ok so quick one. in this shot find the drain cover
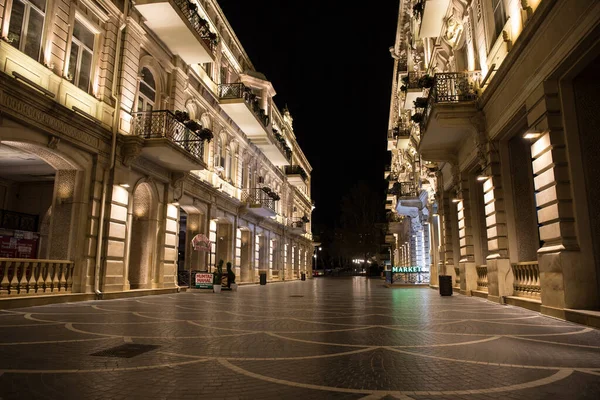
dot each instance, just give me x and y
(127, 350)
(296, 295)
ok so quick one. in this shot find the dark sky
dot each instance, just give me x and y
(329, 61)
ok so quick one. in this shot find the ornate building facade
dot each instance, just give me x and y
(492, 134)
(128, 128)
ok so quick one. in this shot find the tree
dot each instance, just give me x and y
(360, 218)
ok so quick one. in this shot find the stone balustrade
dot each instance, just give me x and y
(527, 279)
(21, 276)
(482, 278)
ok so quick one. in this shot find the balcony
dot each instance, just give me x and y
(408, 201)
(298, 227)
(238, 101)
(412, 88)
(432, 19)
(398, 138)
(179, 26)
(259, 202)
(167, 141)
(446, 120)
(296, 175)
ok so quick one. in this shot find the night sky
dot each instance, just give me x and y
(329, 62)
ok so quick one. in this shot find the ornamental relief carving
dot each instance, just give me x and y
(46, 121)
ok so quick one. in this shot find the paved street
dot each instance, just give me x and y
(324, 338)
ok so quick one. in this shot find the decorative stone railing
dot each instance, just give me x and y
(457, 281)
(482, 278)
(526, 279)
(22, 276)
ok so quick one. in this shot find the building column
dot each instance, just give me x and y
(566, 281)
(500, 277)
(448, 244)
(467, 266)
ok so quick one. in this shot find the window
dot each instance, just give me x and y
(81, 57)
(219, 160)
(224, 74)
(228, 164)
(26, 26)
(208, 68)
(147, 92)
(499, 16)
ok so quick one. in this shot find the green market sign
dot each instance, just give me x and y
(404, 270)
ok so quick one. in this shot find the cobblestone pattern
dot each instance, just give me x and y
(326, 338)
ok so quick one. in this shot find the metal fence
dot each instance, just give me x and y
(163, 124)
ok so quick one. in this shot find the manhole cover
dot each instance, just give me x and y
(296, 295)
(127, 350)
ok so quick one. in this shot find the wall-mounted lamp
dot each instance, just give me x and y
(456, 200)
(530, 135)
(482, 178)
(125, 185)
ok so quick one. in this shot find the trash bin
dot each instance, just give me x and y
(303, 276)
(263, 278)
(445, 285)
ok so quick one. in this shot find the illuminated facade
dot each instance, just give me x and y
(129, 128)
(492, 136)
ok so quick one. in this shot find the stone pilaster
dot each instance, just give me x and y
(500, 277)
(448, 237)
(468, 272)
(565, 281)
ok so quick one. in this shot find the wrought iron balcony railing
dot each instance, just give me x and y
(296, 170)
(405, 189)
(396, 132)
(241, 91)
(163, 124)
(258, 196)
(199, 24)
(451, 87)
(413, 79)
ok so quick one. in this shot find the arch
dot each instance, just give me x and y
(192, 109)
(157, 71)
(206, 120)
(142, 243)
(53, 157)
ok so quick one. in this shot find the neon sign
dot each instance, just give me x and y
(406, 269)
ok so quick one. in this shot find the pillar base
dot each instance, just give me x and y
(468, 277)
(500, 278)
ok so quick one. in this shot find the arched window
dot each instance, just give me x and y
(147, 92)
(219, 161)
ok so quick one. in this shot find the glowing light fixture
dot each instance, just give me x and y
(482, 178)
(125, 185)
(532, 135)
(176, 204)
(456, 200)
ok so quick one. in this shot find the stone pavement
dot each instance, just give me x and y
(325, 338)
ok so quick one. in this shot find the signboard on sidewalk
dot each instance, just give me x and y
(204, 281)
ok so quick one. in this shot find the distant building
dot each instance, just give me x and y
(493, 131)
(127, 129)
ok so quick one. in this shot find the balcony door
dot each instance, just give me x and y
(147, 92)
